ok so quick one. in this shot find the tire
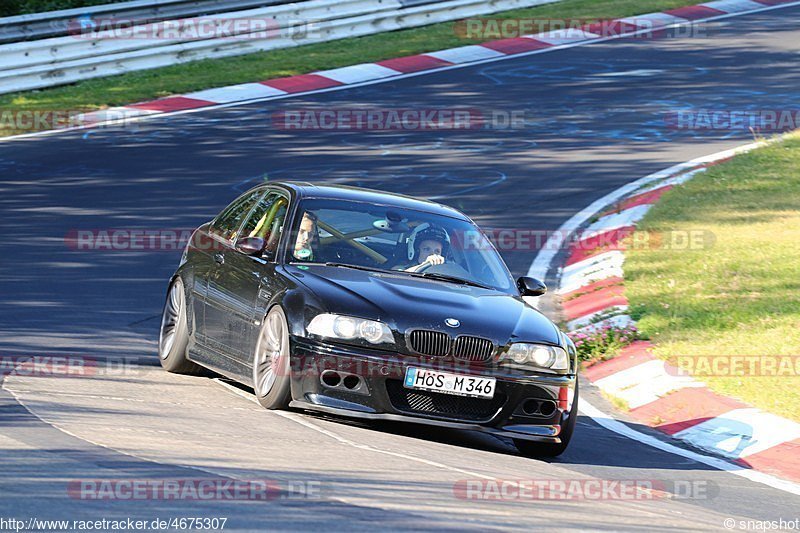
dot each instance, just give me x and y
(173, 336)
(271, 362)
(546, 449)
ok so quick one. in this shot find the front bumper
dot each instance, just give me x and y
(380, 394)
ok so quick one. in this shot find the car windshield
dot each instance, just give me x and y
(388, 238)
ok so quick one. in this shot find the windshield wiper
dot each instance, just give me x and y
(357, 267)
(454, 279)
(429, 275)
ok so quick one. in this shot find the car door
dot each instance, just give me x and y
(199, 255)
(244, 283)
(219, 244)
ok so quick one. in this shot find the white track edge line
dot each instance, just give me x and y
(623, 429)
(541, 263)
(128, 454)
(303, 422)
(545, 258)
(205, 470)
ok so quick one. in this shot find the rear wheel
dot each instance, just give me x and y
(271, 369)
(546, 449)
(173, 336)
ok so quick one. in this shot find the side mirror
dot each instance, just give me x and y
(250, 245)
(531, 286)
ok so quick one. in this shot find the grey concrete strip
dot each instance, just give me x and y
(357, 466)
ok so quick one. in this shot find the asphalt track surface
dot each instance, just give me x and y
(597, 122)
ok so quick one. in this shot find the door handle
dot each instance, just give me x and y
(219, 258)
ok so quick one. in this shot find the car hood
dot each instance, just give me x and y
(405, 302)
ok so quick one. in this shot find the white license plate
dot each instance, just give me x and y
(447, 383)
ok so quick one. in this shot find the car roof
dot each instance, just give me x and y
(304, 189)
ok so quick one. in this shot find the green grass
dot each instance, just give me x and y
(617, 402)
(198, 75)
(740, 296)
(20, 7)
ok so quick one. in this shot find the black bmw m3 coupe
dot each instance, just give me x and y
(372, 305)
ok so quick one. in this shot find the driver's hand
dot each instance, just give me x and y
(435, 259)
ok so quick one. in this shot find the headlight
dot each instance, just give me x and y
(540, 355)
(349, 328)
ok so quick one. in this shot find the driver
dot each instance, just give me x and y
(307, 237)
(427, 245)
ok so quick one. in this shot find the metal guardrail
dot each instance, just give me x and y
(279, 18)
(60, 23)
(58, 61)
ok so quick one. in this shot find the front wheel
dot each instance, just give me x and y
(271, 368)
(174, 336)
(547, 449)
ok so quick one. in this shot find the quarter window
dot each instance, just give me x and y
(227, 224)
(266, 220)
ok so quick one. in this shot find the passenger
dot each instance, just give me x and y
(307, 237)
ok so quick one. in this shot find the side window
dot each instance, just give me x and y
(228, 222)
(267, 220)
